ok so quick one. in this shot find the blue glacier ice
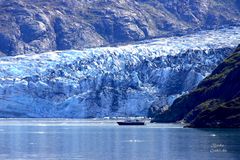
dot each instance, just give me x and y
(110, 81)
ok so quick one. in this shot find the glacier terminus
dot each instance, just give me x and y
(126, 80)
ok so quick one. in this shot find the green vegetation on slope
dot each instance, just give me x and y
(214, 103)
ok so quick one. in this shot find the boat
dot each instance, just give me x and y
(131, 122)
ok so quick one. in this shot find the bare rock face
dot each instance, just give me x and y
(39, 26)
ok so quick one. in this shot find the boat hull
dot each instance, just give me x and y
(130, 123)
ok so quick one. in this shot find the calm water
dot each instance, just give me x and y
(104, 140)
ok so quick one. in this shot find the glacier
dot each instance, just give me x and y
(126, 80)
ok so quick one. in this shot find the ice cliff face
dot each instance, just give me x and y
(110, 81)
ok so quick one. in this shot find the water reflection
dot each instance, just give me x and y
(112, 142)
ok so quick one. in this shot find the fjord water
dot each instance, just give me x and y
(105, 140)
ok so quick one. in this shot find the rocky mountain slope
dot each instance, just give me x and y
(110, 81)
(28, 26)
(215, 102)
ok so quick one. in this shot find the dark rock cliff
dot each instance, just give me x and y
(38, 26)
(214, 103)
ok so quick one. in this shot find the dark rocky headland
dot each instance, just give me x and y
(214, 103)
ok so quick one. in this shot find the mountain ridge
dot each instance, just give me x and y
(41, 26)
